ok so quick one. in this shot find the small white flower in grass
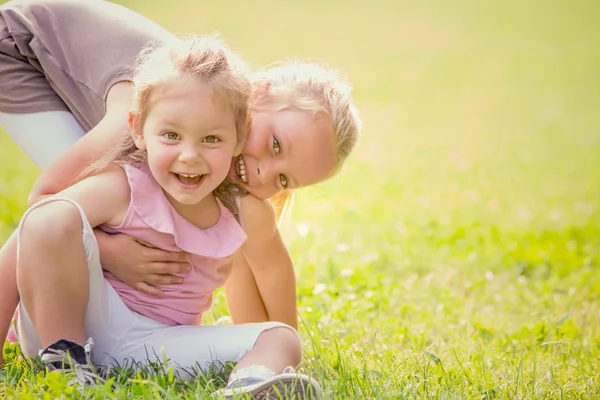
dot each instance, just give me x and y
(319, 288)
(402, 228)
(424, 201)
(225, 320)
(572, 291)
(523, 212)
(342, 247)
(555, 215)
(367, 258)
(411, 279)
(460, 164)
(584, 208)
(429, 277)
(472, 196)
(489, 275)
(493, 205)
(303, 230)
(346, 272)
(308, 309)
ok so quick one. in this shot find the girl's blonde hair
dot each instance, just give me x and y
(313, 88)
(203, 58)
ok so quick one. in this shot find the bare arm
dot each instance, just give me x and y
(269, 262)
(101, 206)
(243, 297)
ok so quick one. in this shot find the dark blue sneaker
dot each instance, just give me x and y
(67, 356)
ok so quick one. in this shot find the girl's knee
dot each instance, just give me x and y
(287, 340)
(53, 222)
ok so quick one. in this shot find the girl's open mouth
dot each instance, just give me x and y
(189, 181)
(240, 169)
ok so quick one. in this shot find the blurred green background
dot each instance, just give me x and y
(467, 220)
(483, 111)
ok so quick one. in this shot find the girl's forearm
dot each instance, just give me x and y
(277, 290)
(9, 295)
(243, 298)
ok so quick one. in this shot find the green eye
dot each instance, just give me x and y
(276, 145)
(211, 139)
(171, 136)
(283, 180)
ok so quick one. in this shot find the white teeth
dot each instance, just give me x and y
(188, 175)
(242, 166)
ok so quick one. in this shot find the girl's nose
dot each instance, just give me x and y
(189, 155)
(264, 172)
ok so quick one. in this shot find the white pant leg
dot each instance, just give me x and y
(107, 318)
(189, 346)
(42, 136)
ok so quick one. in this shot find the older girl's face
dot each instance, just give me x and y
(284, 150)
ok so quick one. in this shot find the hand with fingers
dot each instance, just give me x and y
(139, 264)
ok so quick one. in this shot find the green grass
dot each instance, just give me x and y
(457, 255)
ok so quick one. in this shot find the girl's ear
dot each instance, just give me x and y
(136, 131)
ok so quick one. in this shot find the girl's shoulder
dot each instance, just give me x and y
(256, 216)
(114, 184)
(116, 176)
(104, 196)
(112, 179)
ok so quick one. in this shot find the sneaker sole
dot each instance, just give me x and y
(284, 386)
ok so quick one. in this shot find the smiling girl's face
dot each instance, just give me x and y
(284, 150)
(189, 136)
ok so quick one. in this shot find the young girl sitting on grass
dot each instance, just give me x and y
(164, 185)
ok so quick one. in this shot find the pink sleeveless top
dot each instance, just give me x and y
(152, 218)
